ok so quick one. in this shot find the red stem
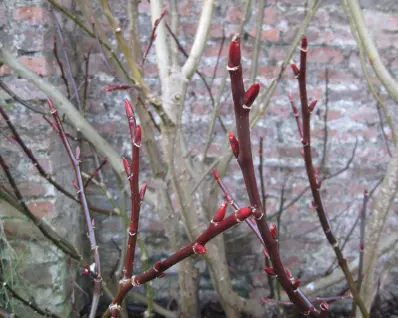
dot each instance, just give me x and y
(312, 178)
(93, 242)
(245, 161)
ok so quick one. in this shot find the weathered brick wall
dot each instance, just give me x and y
(27, 29)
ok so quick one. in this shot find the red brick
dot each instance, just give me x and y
(31, 189)
(41, 208)
(268, 71)
(31, 14)
(271, 35)
(38, 64)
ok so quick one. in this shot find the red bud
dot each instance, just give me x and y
(324, 306)
(269, 271)
(234, 52)
(137, 136)
(290, 96)
(265, 252)
(220, 214)
(51, 105)
(296, 284)
(273, 231)
(129, 108)
(126, 167)
(313, 204)
(250, 95)
(319, 184)
(302, 152)
(289, 274)
(312, 105)
(77, 153)
(142, 192)
(199, 249)
(162, 275)
(234, 144)
(75, 185)
(295, 69)
(304, 43)
(215, 174)
(157, 266)
(244, 213)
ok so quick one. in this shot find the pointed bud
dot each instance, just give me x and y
(93, 223)
(304, 43)
(142, 192)
(162, 275)
(215, 174)
(289, 274)
(77, 153)
(234, 144)
(220, 214)
(243, 213)
(129, 108)
(234, 52)
(157, 266)
(313, 204)
(296, 284)
(126, 167)
(137, 136)
(273, 231)
(199, 249)
(295, 69)
(302, 152)
(265, 252)
(269, 271)
(250, 95)
(290, 96)
(75, 185)
(312, 105)
(51, 105)
(319, 183)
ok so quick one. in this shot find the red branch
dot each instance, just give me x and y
(242, 105)
(75, 158)
(315, 184)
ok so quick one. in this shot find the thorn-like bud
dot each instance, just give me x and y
(295, 69)
(162, 275)
(290, 96)
(129, 108)
(126, 167)
(234, 144)
(265, 252)
(319, 183)
(93, 223)
(269, 271)
(75, 185)
(157, 266)
(304, 43)
(142, 192)
(137, 136)
(296, 284)
(77, 153)
(51, 105)
(312, 105)
(199, 249)
(215, 174)
(157, 21)
(220, 214)
(243, 213)
(302, 152)
(234, 52)
(250, 95)
(289, 274)
(273, 231)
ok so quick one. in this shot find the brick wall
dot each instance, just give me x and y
(26, 28)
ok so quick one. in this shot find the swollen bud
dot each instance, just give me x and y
(304, 43)
(157, 266)
(142, 192)
(137, 136)
(269, 271)
(129, 108)
(126, 167)
(234, 52)
(234, 144)
(289, 274)
(243, 213)
(296, 284)
(295, 69)
(312, 105)
(250, 95)
(199, 249)
(220, 214)
(215, 174)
